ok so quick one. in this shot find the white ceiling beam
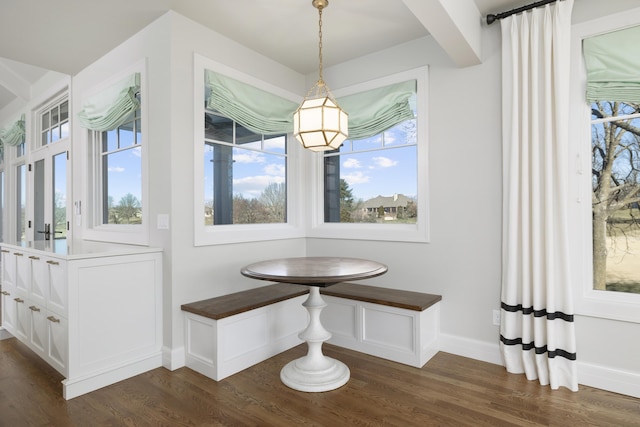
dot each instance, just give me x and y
(14, 83)
(455, 24)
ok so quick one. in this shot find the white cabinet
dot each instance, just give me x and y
(94, 314)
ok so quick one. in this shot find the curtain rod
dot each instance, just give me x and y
(491, 18)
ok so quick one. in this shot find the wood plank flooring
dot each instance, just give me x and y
(449, 391)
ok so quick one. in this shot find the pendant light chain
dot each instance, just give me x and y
(320, 79)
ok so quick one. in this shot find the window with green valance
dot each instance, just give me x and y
(613, 66)
(112, 106)
(14, 134)
(370, 112)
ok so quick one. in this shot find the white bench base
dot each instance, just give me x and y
(220, 348)
(397, 334)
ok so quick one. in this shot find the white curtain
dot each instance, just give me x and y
(537, 334)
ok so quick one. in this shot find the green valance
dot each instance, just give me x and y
(259, 111)
(14, 134)
(111, 107)
(370, 112)
(376, 110)
(613, 66)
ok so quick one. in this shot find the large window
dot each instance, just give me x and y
(244, 174)
(247, 166)
(119, 164)
(615, 145)
(374, 187)
(374, 180)
(605, 184)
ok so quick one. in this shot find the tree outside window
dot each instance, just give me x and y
(615, 143)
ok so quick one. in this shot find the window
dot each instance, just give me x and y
(244, 174)
(615, 142)
(603, 210)
(54, 123)
(114, 115)
(247, 166)
(375, 187)
(374, 180)
(119, 172)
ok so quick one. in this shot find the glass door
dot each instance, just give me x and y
(50, 192)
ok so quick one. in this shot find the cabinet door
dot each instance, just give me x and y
(39, 280)
(22, 273)
(38, 340)
(8, 268)
(23, 319)
(57, 345)
(57, 278)
(8, 308)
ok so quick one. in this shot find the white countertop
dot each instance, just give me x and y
(78, 249)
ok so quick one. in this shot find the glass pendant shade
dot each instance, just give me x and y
(320, 125)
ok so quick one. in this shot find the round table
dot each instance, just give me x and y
(314, 372)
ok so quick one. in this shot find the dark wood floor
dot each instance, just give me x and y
(448, 391)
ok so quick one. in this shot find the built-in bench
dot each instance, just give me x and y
(227, 334)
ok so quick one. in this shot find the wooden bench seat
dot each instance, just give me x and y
(240, 302)
(409, 300)
(226, 334)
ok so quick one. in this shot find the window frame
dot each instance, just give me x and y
(418, 232)
(611, 305)
(204, 235)
(93, 228)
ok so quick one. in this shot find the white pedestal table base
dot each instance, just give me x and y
(315, 372)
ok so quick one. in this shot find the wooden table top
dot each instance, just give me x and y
(314, 271)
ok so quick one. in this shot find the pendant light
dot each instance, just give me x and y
(319, 123)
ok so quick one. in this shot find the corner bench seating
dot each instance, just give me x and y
(227, 334)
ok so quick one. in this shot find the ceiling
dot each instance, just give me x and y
(68, 35)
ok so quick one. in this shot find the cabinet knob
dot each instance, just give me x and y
(5, 293)
(53, 262)
(53, 319)
(20, 300)
(18, 254)
(5, 251)
(34, 308)
(34, 257)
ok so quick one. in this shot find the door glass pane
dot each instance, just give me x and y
(38, 201)
(1, 205)
(21, 199)
(59, 227)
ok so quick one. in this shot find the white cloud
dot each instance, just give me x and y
(352, 163)
(274, 169)
(252, 186)
(116, 169)
(247, 156)
(384, 162)
(356, 178)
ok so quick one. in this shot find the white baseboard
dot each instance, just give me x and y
(614, 380)
(79, 386)
(605, 378)
(474, 349)
(173, 359)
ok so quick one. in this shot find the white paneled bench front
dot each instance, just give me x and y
(227, 334)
